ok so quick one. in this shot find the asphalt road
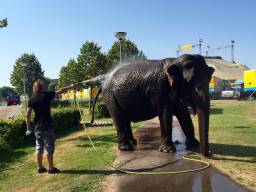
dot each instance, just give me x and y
(10, 111)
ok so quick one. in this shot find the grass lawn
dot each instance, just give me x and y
(82, 169)
(232, 137)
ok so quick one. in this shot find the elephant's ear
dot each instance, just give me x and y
(210, 72)
(173, 74)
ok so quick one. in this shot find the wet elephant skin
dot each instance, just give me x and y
(145, 89)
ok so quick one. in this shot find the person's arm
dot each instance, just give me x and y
(28, 116)
(64, 89)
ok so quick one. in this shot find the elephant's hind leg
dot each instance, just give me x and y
(121, 123)
(130, 135)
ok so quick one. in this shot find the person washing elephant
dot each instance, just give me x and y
(40, 103)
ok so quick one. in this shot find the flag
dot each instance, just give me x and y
(185, 47)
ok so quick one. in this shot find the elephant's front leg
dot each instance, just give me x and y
(165, 119)
(184, 118)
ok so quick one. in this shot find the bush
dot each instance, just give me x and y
(65, 118)
(69, 103)
(12, 131)
(101, 110)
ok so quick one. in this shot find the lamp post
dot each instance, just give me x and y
(232, 51)
(207, 51)
(200, 45)
(24, 83)
(120, 36)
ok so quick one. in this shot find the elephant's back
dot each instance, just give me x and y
(133, 74)
(130, 87)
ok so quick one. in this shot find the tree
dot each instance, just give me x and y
(70, 74)
(5, 90)
(91, 61)
(32, 71)
(3, 23)
(130, 52)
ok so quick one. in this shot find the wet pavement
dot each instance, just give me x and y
(147, 158)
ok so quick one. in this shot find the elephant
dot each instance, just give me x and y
(142, 90)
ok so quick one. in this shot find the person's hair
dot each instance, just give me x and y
(38, 86)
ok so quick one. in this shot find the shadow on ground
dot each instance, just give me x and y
(235, 151)
(97, 141)
(10, 156)
(82, 172)
(215, 111)
(14, 153)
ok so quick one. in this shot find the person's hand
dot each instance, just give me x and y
(28, 132)
(72, 86)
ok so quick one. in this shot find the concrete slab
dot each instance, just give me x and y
(147, 158)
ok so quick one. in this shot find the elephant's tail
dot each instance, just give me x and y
(94, 103)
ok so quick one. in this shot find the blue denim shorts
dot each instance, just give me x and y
(45, 139)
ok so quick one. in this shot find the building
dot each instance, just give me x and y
(226, 73)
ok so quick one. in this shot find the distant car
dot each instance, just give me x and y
(12, 99)
(227, 94)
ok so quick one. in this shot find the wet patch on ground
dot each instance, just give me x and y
(146, 157)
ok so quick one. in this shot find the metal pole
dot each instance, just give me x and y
(120, 51)
(177, 52)
(24, 88)
(232, 51)
(200, 48)
(207, 51)
(90, 99)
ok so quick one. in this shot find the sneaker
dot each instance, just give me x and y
(42, 170)
(53, 171)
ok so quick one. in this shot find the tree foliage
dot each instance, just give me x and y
(32, 72)
(5, 90)
(3, 23)
(130, 52)
(91, 61)
(70, 74)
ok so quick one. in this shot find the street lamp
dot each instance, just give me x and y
(24, 83)
(232, 51)
(120, 36)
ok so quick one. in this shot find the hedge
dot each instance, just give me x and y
(12, 131)
(101, 110)
(69, 103)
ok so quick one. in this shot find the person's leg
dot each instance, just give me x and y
(50, 161)
(50, 148)
(39, 151)
(39, 160)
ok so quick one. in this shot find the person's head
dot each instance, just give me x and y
(38, 86)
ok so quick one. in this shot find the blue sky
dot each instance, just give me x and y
(54, 30)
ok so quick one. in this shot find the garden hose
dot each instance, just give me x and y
(189, 158)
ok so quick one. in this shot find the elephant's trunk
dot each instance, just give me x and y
(203, 112)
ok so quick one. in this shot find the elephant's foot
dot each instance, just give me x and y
(207, 154)
(133, 141)
(125, 147)
(192, 143)
(167, 148)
